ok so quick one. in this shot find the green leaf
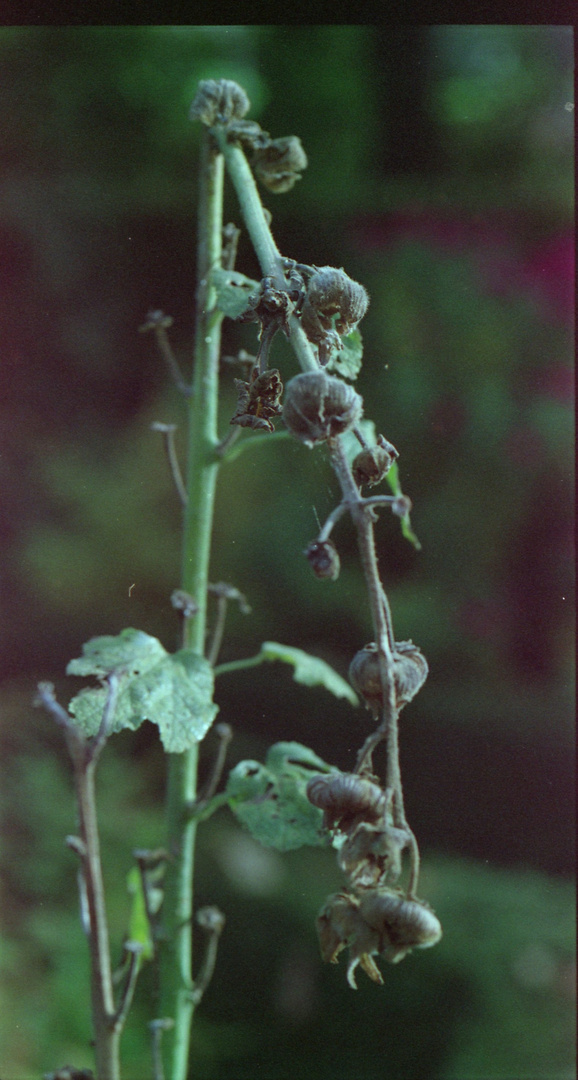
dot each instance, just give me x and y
(173, 691)
(233, 291)
(309, 670)
(347, 362)
(393, 481)
(270, 800)
(138, 923)
(132, 650)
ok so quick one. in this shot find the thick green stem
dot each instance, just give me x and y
(265, 247)
(176, 1001)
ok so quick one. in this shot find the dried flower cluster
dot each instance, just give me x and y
(372, 917)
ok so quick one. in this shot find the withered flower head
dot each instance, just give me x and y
(324, 559)
(372, 464)
(319, 406)
(278, 164)
(218, 101)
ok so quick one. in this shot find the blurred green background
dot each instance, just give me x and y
(440, 176)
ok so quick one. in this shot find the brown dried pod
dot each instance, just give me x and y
(346, 796)
(324, 559)
(410, 671)
(218, 101)
(319, 406)
(372, 464)
(278, 164)
(340, 925)
(333, 302)
(402, 924)
(372, 853)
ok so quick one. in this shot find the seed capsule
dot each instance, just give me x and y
(346, 796)
(219, 101)
(279, 163)
(372, 464)
(402, 925)
(324, 559)
(319, 406)
(410, 671)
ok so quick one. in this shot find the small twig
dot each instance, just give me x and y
(168, 430)
(157, 1028)
(225, 734)
(96, 745)
(134, 949)
(160, 323)
(228, 441)
(332, 520)
(212, 921)
(223, 593)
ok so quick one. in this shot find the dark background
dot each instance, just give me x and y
(440, 176)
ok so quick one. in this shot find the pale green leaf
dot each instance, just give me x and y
(131, 650)
(270, 799)
(138, 922)
(394, 483)
(347, 362)
(172, 691)
(233, 291)
(309, 670)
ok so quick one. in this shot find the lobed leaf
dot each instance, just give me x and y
(271, 802)
(173, 691)
(347, 361)
(233, 291)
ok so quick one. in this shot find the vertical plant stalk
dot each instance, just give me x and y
(176, 998)
(106, 1022)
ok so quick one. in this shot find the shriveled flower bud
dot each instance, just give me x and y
(324, 558)
(332, 295)
(401, 506)
(279, 163)
(401, 924)
(372, 464)
(218, 101)
(319, 406)
(410, 671)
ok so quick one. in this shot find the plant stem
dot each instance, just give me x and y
(268, 254)
(202, 468)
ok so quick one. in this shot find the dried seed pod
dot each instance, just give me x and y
(218, 101)
(401, 506)
(324, 558)
(319, 406)
(372, 853)
(279, 163)
(372, 464)
(410, 671)
(333, 302)
(402, 924)
(346, 796)
(340, 925)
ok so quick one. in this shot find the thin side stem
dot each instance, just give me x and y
(202, 468)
